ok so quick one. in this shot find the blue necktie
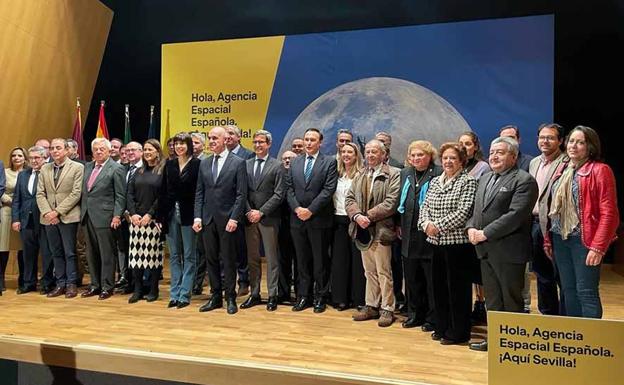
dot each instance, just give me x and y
(308, 168)
(215, 168)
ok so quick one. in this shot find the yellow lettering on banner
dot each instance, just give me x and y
(546, 350)
(216, 83)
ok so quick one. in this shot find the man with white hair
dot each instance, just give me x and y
(103, 203)
(58, 198)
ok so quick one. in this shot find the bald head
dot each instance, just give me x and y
(216, 139)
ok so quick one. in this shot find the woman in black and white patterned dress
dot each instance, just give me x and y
(146, 247)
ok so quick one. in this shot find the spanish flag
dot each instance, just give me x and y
(102, 130)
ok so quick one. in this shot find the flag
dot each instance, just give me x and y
(127, 133)
(151, 132)
(102, 130)
(77, 134)
(167, 132)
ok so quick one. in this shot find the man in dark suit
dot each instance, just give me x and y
(219, 208)
(311, 183)
(265, 193)
(25, 219)
(232, 142)
(103, 203)
(500, 228)
(288, 260)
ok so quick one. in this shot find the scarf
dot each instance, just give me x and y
(563, 205)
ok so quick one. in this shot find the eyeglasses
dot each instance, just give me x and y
(547, 138)
(259, 141)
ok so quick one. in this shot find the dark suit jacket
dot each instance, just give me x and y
(412, 239)
(244, 153)
(2, 179)
(107, 197)
(524, 161)
(178, 187)
(225, 199)
(316, 195)
(25, 203)
(268, 195)
(505, 217)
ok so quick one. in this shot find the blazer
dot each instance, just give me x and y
(505, 217)
(412, 238)
(544, 192)
(226, 198)
(524, 161)
(244, 153)
(268, 194)
(24, 203)
(316, 195)
(107, 198)
(64, 198)
(178, 187)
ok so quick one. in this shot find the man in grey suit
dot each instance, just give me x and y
(265, 193)
(500, 228)
(311, 183)
(219, 207)
(103, 203)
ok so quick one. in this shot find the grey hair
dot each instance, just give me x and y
(512, 144)
(106, 142)
(267, 135)
(39, 149)
(72, 143)
(235, 128)
(379, 144)
(200, 136)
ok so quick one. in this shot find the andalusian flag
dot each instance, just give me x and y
(102, 130)
(127, 133)
(151, 132)
(77, 134)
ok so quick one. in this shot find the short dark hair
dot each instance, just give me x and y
(512, 127)
(592, 141)
(458, 148)
(344, 131)
(186, 138)
(552, 126)
(312, 129)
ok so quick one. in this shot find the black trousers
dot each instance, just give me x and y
(121, 237)
(452, 291)
(312, 249)
(287, 260)
(348, 283)
(419, 289)
(221, 249)
(503, 283)
(544, 269)
(137, 277)
(4, 261)
(62, 243)
(201, 267)
(397, 272)
(34, 241)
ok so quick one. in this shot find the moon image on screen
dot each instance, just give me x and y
(402, 108)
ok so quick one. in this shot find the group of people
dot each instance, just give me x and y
(351, 229)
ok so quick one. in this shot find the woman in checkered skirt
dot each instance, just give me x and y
(146, 248)
(443, 215)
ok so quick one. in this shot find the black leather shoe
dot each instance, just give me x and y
(320, 306)
(105, 294)
(251, 301)
(341, 306)
(215, 302)
(172, 303)
(479, 346)
(302, 304)
(427, 327)
(24, 290)
(121, 283)
(90, 292)
(411, 322)
(182, 304)
(231, 306)
(136, 297)
(272, 304)
(448, 341)
(197, 290)
(436, 336)
(403, 309)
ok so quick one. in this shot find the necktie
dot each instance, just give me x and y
(131, 172)
(57, 174)
(489, 189)
(307, 173)
(93, 176)
(215, 168)
(258, 171)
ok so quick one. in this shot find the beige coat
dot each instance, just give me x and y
(544, 192)
(65, 198)
(384, 199)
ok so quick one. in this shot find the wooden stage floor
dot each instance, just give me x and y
(251, 347)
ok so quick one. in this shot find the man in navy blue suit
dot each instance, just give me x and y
(220, 201)
(25, 219)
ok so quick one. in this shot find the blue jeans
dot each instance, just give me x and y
(182, 242)
(579, 282)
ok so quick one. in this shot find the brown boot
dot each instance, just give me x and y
(58, 291)
(367, 312)
(386, 318)
(71, 291)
